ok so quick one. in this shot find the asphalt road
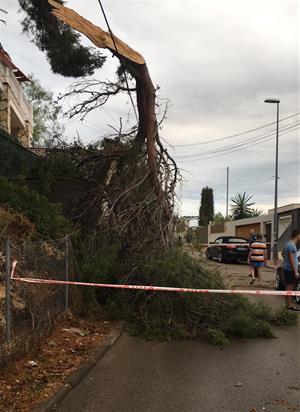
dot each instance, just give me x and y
(193, 376)
(139, 376)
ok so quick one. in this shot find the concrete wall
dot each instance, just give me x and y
(229, 230)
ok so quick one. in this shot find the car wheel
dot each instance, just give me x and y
(280, 284)
(297, 298)
(207, 256)
(220, 257)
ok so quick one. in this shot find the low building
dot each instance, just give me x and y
(288, 220)
(16, 115)
(181, 227)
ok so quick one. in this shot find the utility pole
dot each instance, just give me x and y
(275, 230)
(227, 191)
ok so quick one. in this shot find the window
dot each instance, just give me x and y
(236, 240)
(217, 241)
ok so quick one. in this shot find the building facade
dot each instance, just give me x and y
(288, 220)
(16, 115)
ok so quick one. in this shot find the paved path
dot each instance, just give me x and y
(192, 376)
(139, 376)
(236, 275)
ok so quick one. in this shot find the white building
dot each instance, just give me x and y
(16, 116)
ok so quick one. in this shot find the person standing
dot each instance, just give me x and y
(251, 239)
(252, 236)
(257, 258)
(290, 267)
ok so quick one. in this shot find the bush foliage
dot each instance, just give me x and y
(167, 315)
(46, 216)
(162, 315)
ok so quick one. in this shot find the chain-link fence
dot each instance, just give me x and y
(29, 311)
(3, 329)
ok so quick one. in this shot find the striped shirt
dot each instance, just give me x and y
(257, 251)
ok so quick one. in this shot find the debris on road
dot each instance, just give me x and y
(77, 331)
(32, 363)
(28, 381)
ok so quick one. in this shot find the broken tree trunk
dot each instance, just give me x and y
(135, 64)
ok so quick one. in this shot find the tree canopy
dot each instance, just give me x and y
(47, 129)
(206, 211)
(60, 42)
(220, 218)
(241, 207)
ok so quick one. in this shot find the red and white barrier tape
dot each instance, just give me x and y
(160, 288)
(13, 268)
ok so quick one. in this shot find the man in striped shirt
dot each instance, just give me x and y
(257, 258)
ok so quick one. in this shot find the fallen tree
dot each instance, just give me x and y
(127, 215)
(134, 175)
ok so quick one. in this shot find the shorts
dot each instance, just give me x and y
(257, 264)
(289, 277)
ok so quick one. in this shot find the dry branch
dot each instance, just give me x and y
(140, 161)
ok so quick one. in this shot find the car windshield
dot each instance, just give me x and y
(236, 240)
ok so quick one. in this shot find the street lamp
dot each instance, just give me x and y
(275, 232)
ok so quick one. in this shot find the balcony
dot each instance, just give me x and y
(19, 120)
(17, 95)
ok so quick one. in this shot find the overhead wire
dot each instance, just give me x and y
(248, 140)
(122, 65)
(233, 182)
(232, 151)
(237, 134)
(248, 143)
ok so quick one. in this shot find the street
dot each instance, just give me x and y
(144, 144)
(254, 375)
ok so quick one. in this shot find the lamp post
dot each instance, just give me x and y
(227, 191)
(275, 231)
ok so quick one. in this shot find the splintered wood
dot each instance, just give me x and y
(98, 36)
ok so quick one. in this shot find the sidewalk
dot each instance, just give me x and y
(192, 376)
(271, 265)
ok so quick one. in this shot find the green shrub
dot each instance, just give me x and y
(168, 315)
(98, 260)
(284, 317)
(217, 337)
(47, 217)
(244, 325)
(189, 236)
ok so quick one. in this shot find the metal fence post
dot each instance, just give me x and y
(67, 272)
(8, 292)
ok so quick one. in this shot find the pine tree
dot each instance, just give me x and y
(206, 211)
(66, 55)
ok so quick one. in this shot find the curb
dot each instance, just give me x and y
(76, 376)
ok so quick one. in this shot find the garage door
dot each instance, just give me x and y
(243, 231)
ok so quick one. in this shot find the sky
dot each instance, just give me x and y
(215, 62)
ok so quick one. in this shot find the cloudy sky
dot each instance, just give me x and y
(216, 62)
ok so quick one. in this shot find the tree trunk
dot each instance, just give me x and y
(136, 66)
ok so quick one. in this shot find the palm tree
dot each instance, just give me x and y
(256, 212)
(241, 206)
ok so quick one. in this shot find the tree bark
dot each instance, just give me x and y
(145, 90)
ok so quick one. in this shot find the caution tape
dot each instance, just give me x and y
(13, 268)
(159, 288)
